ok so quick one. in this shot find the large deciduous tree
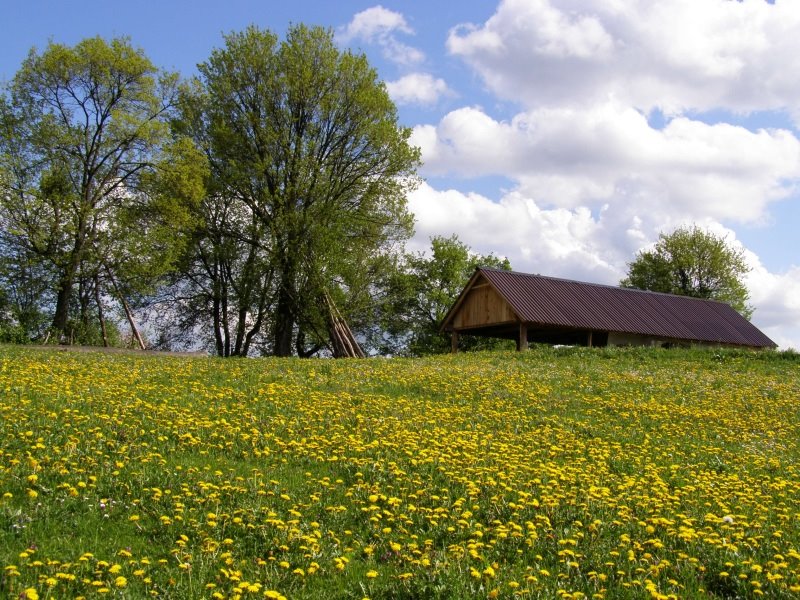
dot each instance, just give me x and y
(692, 262)
(95, 190)
(309, 172)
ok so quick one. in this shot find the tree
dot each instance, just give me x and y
(94, 189)
(23, 284)
(692, 262)
(423, 291)
(309, 162)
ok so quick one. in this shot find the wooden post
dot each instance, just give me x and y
(342, 339)
(454, 342)
(134, 330)
(589, 341)
(522, 340)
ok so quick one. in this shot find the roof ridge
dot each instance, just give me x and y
(601, 285)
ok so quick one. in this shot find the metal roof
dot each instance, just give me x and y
(553, 302)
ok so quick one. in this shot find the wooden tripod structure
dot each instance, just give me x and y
(343, 343)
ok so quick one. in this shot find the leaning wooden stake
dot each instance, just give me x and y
(128, 312)
(342, 339)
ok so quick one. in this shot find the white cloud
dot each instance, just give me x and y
(374, 23)
(677, 55)
(610, 154)
(554, 241)
(417, 88)
(380, 26)
(776, 297)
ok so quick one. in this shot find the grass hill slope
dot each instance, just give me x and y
(568, 473)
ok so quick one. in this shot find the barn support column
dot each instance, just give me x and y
(589, 340)
(522, 340)
(454, 342)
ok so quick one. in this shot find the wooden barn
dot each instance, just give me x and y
(532, 308)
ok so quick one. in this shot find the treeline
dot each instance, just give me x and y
(217, 212)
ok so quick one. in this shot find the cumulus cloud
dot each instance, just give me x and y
(374, 23)
(564, 242)
(610, 154)
(418, 88)
(677, 55)
(776, 297)
(381, 26)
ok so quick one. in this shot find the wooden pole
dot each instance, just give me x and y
(454, 342)
(522, 340)
(342, 338)
(128, 313)
(589, 341)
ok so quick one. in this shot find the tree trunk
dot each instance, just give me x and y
(241, 326)
(285, 310)
(85, 293)
(284, 323)
(214, 271)
(226, 330)
(300, 342)
(217, 325)
(300, 345)
(262, 309)
(66, 282)
(247, 284)
(100, 315)
(63, 298)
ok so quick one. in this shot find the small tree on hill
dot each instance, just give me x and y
(423, 290)
(692, 262)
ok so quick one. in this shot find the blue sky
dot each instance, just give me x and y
(564, 134)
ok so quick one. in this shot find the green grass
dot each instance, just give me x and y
(609, 473)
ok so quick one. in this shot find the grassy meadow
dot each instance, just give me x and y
(571, 473)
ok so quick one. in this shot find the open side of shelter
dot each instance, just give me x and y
(534, 308)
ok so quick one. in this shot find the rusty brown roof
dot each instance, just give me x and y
(550, 301)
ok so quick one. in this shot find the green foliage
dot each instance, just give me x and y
(93, 187)
(309, 172)
(692, 262)
(23, 291)
(424, 289)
